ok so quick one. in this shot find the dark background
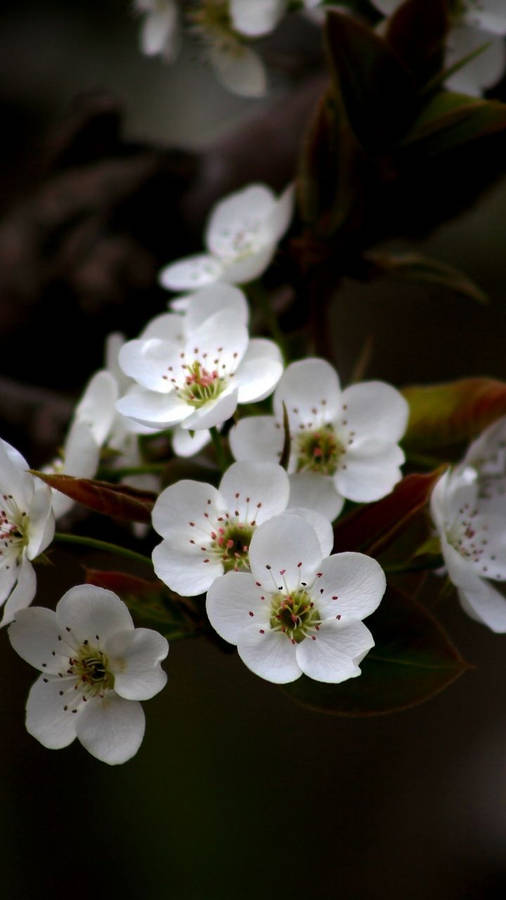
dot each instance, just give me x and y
(236, 791)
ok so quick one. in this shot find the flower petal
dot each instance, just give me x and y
(186, 443)
(351, 586)
(148, 361)
(46, 718)
(367, 478)
(23, 592)
(153, 409)
(185, 569)
(326, 657)
(243, 212)
(321, 525)
(240, 70)
(214, 412)
(483, 602)
(376, 410)
(254, 492)
(233, 603)
(191, 273)
(134, 658)
(190, 507)
(111, 729)
(251, 265)
(90, 613)
(213, 299)
(260, 370)
(284, 552)
(41, 518)
(310, 390)
(269, 654)
(257, 438)
(97, 405)
(313, 491)
(166, 327)
(38, 640)
(254, 19)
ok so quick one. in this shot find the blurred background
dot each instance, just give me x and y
(110, 162)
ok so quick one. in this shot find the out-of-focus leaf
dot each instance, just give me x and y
(417, 32)
(445, 417)
(371, 528)
(452, 120)
(377, 89)
(415, 267)
(285, 455)
(150, 601)
(115, 500)
(413, 660)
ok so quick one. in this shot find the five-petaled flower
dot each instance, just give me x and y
(95, 667)
(297, 612)
(469, 511)
(242, 234)
(207, 531)
(343, 443)
(26, 529)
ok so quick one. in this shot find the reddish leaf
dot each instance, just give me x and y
(413, 660)
(445, 417)
(373, 527)
(417, 32)
(115, 500)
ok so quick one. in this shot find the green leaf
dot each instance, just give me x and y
(115, 500)
(150, 601)
(415, 267)
(413, 660)
(373, 527)
(417, 33)
(445, 417)
(377, 90)
(452, 120)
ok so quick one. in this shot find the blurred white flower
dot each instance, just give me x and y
(207, 531)
(468, 507)
(26, 529)
(475, 23)
(297, 612)
(241, 237)
(257, 18)
(95, 668)
(194, 369)
(344, 444)
(160, 27)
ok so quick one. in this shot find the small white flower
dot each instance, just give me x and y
(468, 506)
(95, 668)
(194, 369)
(241, 237)
(159, 30)
(296, 612)
(475, 23)
(258, 18)
(207, 531)
(344, 444)
(26, 529)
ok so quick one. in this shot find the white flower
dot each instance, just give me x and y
(26, 529)
(159, 31)
(241, 237)
(468, 506)
(475, 23)
(343, 443)
(95, 668)
(207, 531)
(296, 612)
(194, 369)
(258, 18)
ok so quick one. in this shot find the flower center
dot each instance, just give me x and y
(90, 667)
(294, 614)
(13, 527)
(463, 536)
(201, 385)
(231, 545)
(318, 451)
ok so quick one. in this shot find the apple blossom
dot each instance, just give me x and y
(95, 667)
(194, 369)
(207, 531)
(343, 443)
(26, 529)
(297, 612)
(475, 24)
(241, 237)
(468, 506)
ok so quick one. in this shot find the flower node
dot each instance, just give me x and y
(231, 545)
(90, 667)
(200, 385)
(318, 451)
(294, 614)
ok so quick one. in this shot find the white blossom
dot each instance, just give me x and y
(160, 27)
(297, 612)
(207, 531)
(468, 506)
(475, 24)
(258, 18)
(95, 667)
(26, 529)
(241, 238)
(194, 369)
(344, 444)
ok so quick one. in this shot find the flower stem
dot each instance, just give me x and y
(95, 544)
(219, 449)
